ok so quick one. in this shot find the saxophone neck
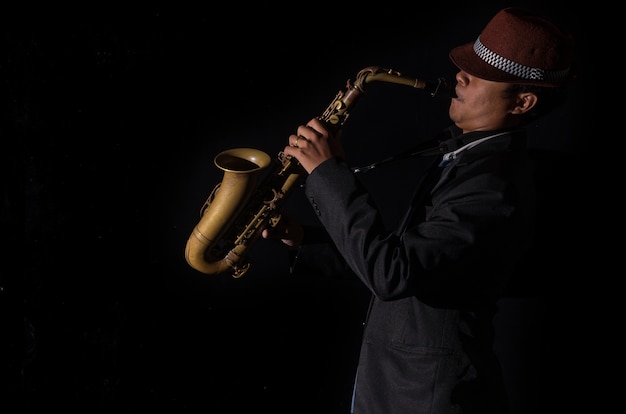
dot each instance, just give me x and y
(338, 111)
(439, 87)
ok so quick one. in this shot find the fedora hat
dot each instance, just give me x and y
(518, 46)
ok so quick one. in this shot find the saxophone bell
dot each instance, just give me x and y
(218, 242)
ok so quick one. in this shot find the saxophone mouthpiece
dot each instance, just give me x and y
(439, 89)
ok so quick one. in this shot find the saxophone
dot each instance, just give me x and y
(242, 205)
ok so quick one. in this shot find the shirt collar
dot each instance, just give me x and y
(449, 156)
(459, 142)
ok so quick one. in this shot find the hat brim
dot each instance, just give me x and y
(466, 59)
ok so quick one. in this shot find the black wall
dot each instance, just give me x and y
(114, 117)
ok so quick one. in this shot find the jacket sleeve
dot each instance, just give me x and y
(466, 232)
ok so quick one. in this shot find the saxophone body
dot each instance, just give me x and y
(238, 209)
(249, 197)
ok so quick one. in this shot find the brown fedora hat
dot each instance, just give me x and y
(518, 46)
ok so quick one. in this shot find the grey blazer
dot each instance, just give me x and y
(427, 342)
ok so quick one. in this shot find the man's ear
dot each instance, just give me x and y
(524, 103)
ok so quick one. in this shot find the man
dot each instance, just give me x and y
(435, 281)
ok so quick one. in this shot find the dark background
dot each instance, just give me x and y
(114, 115)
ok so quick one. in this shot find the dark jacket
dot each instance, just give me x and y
(427, 343)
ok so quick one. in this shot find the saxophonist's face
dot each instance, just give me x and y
(482, 105)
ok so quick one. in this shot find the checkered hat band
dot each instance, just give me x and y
(516, 69)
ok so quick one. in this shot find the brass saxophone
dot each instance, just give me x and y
(241, 206)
